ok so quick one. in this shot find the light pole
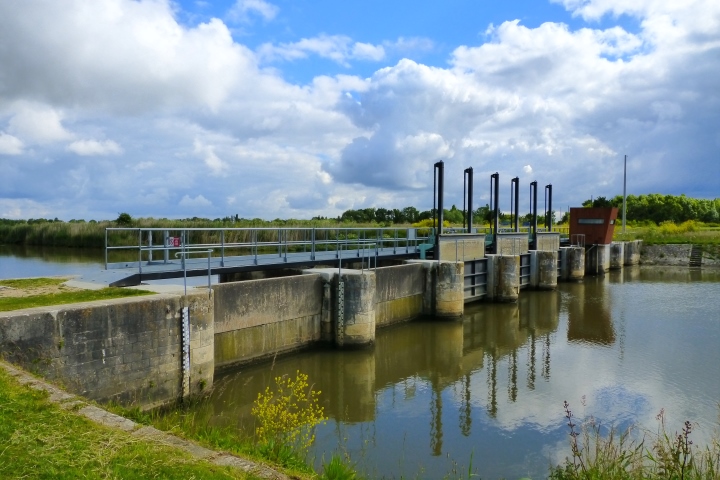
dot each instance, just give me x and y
(624, 191)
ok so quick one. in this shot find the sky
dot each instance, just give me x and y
(295, 109)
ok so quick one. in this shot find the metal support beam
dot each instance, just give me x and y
(514, 201)
(468, 193)
(495, 200)
(439, 191)
(548, 208)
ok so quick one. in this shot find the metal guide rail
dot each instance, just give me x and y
(164, 252)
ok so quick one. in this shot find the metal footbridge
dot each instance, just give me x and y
(134, 255)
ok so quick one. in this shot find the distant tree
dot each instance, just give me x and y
(124, 220)
(410, 214)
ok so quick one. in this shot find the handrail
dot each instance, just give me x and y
(251, 242)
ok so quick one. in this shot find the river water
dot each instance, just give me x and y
(433, 397)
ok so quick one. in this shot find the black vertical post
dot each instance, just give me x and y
(495, 197)
(464, 198)
(440, 169)
(549, 212)
(515, 187)
(469, 181)
(533, 210)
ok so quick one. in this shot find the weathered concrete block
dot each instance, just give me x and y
(617, 255)
(259, 302)
(110, 349)
(543, 269)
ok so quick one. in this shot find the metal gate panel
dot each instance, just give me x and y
(475, 281)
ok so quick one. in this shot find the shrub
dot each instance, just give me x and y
(286, 416)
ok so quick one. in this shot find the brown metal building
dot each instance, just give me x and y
(597, 224)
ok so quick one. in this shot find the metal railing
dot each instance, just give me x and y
(138, 247)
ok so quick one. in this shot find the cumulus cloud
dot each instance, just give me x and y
(95, 147)
(201, 118)
(242, 10)
(139, 58)
(196, 202)
(38, 124)
(338, 48)
(10, 145)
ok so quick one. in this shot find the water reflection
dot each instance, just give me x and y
(589, 312)
(492, 384)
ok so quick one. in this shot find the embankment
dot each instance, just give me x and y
(679, 255)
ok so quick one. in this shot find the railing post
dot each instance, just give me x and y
(312, 246)
(106, 248)
(140, 251)
(222, 248)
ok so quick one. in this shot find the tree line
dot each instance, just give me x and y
(659, 208)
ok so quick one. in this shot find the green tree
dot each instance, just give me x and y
(124, 220)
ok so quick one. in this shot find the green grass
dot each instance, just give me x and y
(192, 421)
(600, 453)
(670, 233)
(38, 439)
(16, 303)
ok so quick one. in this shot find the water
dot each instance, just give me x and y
(431, 397)
(22, 261)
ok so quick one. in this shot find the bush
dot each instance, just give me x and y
(287, 416)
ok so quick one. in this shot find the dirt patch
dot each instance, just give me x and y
(13, 292)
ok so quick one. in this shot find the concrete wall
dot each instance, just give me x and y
(126, 350)
(547, 241)
(461, 247)
(260, 318)
(512, 243)
(399, 293)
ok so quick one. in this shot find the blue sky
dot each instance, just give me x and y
(279, 109)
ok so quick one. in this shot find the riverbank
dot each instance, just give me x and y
(679, 255)
(49, 433)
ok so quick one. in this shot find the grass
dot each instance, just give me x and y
(38, 439)
(670, 233)
(599, 453)
(60, 298)
(191, 421)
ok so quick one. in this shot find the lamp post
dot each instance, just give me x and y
(624, 192)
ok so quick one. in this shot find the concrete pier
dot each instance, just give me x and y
(632, 252)
(617, 255)
(503, 278)
(444, 288)
(573, 264)
(358, 325)
(597, 259)
(543, 269)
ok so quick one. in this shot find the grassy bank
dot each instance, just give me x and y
(42, 292)
(38, 439)
(670, 233)
(607, 453)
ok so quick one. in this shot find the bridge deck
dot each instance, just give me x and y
(157, 270)
(244, 249)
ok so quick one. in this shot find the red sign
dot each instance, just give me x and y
(173, 241)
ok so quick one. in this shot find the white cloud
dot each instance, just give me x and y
(367, 51)
(568, 102)
(242, 9)
(338, 48)
(212, 161)
(10, 145)
(95, 147)
(527, 169)
(38, 124)
(198, 201)
(139, 58)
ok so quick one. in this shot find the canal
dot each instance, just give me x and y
(433, 397)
